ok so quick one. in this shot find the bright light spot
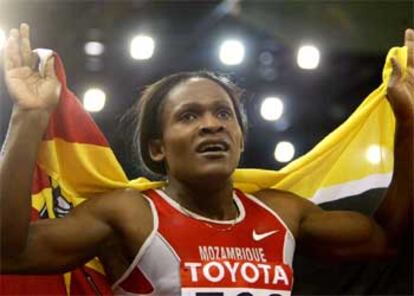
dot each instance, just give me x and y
(2, 38)
(231, 52)
(94, 99)
(271, 109)
(94, 48)
(308, 57)
(284, 151)
(142, 47)
(374, 154)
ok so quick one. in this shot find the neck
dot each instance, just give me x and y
(214, 202)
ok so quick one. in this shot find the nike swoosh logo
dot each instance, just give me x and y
(258, 237)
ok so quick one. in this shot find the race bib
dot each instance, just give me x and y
(235, 278)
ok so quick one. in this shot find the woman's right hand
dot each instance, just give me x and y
(27, 87)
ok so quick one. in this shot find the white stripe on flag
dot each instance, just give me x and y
(351, 188)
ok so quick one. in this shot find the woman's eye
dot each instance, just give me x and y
(188, 116)
(225, 114)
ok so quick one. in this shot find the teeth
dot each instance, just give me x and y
(215, 147)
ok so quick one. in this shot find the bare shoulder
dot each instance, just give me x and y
(289, 206)
(129, 214)
(276, 196)
(119, 207)
(121, 199)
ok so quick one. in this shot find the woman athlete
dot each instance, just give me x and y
(196, 236)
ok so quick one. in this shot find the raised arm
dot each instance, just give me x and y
(347, 235)
(394, 215)
(396, 211)
(45, 245)
(34, 99)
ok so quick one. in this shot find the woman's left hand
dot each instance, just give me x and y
(400, 90)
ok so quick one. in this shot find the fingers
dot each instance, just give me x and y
(50, 68)
(12, 53)
(409, 42)
(18, 51)
(7, 55)
(396, 72)
(25, 48)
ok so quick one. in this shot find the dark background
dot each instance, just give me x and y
(353, 38)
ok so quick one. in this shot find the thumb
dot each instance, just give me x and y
(396, 73)
(50, 68)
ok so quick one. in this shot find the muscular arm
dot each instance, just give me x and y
(333, 235)
(341, 235)
(16, 170)
(395, 213)
(45, 245)
(351, 235)
(55, 245)
(396, 210)
(347, 235)
(34, 96)
(59, 245)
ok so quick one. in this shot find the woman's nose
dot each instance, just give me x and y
(211, 124)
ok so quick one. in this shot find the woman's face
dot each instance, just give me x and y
(202, 139)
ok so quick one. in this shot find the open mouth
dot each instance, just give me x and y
(213, 148)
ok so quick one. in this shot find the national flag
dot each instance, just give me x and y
(75, 162)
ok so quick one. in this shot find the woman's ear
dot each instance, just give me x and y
(156, 150)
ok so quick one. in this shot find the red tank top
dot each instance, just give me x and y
(187, 254)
